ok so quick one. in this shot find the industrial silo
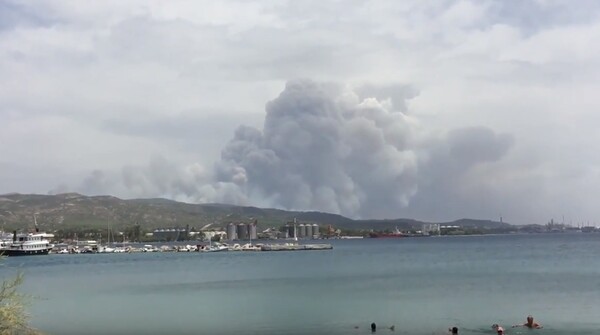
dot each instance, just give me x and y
(231, 232)
(242, 231)
(252, 231)
(308, 230)
(301, 230)
(315, 230)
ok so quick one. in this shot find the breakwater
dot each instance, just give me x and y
(295, 247)
(213, 247)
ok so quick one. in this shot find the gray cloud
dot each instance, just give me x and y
(432, 87)
(449, 175)
(473, 145)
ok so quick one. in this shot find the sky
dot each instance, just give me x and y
(432, 110)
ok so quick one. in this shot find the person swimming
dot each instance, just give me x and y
(530, 324)
(453, 330)
(374, 327)
(498, 329)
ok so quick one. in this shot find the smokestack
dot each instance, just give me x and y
(14, 236)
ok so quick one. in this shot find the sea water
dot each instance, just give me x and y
(420, 285)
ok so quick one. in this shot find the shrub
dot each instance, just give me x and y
(14, 319)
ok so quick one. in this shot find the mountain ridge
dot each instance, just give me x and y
(77, 211)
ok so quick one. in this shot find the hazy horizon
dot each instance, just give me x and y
(433, 110)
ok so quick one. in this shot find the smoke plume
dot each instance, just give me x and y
(324, 147)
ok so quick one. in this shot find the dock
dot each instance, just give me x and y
(295, 247)
(216, 246)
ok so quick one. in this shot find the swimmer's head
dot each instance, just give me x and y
(500, 330)
(529, 319)
(454, 330)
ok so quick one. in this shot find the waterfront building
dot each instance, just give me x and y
(171, 234)
(430, 229)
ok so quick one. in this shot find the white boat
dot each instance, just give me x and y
(213, 248)
(63, 251)
(235, 247)
(149, 248)
(250, 247)
(28, 244)
(106, 249)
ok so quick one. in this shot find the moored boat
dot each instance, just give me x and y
(28, 244)
(212, 248)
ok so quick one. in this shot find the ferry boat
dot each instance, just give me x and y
(28, 244)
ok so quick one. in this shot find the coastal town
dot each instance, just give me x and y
(293, 236)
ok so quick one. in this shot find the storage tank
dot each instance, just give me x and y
(252, 231)
(308, 230)
(242, 231)
(301, 230)
(231, 232)
(316, 232)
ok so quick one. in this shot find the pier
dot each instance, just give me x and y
(295, 247)
(70, 249)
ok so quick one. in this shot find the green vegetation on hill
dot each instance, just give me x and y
(72, 213)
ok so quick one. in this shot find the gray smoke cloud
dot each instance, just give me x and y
(324, 147)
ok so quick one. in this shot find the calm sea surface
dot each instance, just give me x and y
(420, 285)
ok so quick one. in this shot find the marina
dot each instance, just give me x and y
(91, 247)
(237, 238)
